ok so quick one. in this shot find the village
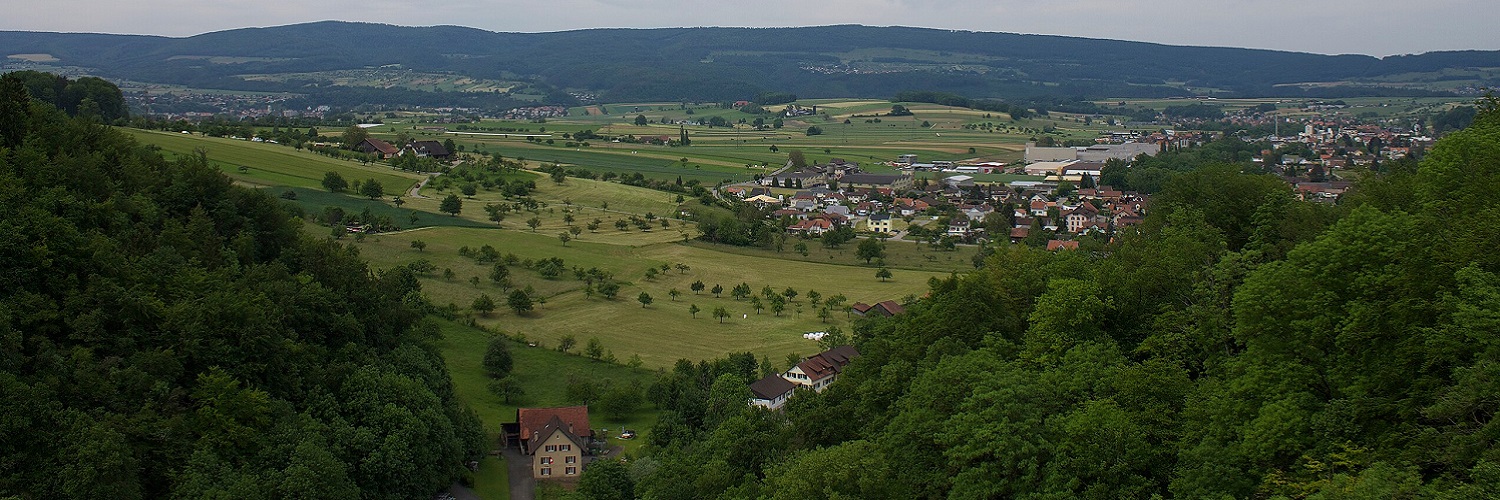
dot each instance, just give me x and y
(1057, 193)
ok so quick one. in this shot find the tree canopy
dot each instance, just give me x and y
(164, 333)
(1240, 343)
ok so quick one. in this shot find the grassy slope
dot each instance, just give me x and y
(585, 194)
(664, 331)
(275, 165)
(313, 201)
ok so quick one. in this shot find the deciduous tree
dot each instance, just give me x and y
(497, 358)
(451, 205)
(483, 304)
(519, 302)
(334, 182)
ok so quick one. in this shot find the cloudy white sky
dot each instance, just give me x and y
(1375, 27)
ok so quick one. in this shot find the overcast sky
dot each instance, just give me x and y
(1375, 27)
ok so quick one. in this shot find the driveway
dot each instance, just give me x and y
(522, 485)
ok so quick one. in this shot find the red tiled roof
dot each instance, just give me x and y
(1059, 244)
(534, 419)
(381, 146)
(826, 363)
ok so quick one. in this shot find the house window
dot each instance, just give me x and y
(546, 471)
(551, 447)
(565, 447)
(546, 460)
(572, 471)
(572, 459)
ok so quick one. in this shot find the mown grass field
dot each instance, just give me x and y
(314, 201)
(587, 196)
(664, 331)
(899, 255)
(275, 165)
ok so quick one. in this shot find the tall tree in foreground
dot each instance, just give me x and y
(607, 480)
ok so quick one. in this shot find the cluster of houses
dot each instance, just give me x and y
(815, 373)
(422, 149)
(839, 194)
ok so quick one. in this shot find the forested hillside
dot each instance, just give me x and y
(164, 334)
(726, 63)
(1240, 344)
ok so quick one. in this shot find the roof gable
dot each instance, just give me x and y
(575, 420)
(827, 363)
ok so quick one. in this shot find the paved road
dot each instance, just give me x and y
(522, 485)
(416, 191)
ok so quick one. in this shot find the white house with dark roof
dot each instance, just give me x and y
(771, 392)
(815, 372)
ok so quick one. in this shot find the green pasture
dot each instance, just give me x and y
(543, 374)
(492, 482)
(651, 161)
(552, 220)
(664, 331)
(314, 201)
(275, 165)
(899, 255)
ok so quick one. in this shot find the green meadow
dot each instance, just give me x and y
(273, 164)
(663, 331)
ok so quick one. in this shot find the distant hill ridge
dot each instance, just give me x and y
(729, 63)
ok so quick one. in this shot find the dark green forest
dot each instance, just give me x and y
(164, 334)
(1239, 344)
(721, 64)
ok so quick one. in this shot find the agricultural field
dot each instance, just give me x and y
(673, 333)
(664, 330)
(740, 151)
(272, 164)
